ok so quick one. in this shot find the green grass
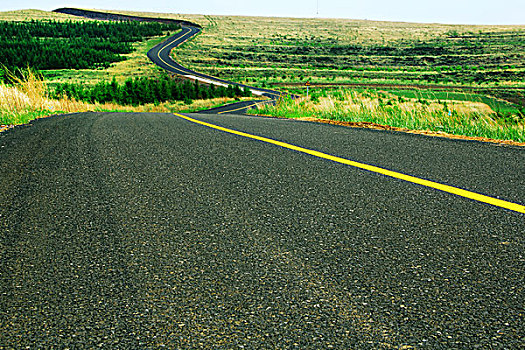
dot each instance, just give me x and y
(494, 103)
(23, 117)
(458, 118)
(137, 64)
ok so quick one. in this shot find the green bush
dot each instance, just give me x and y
(140, 91)
(71, 45)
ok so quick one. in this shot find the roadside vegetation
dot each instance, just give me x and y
(46, 45)
(28, 97)
(141, 91)
(474, 119)
(105, 69)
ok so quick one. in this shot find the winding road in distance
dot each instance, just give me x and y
(160, 55)
(144, 231)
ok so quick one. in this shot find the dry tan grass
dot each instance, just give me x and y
(356, 101)
(370, 108)
(200, 19)
(353, 102)
(29, 94)
(28, 99)
(243, 29)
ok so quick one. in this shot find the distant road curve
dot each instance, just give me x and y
(160, 55)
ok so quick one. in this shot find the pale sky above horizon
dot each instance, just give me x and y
(444, 11)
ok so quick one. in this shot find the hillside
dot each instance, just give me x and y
(475, 70)
(286, 52)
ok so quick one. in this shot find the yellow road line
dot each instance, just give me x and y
(169, 65)
(427, 183)
(245, 107)
(237, 109)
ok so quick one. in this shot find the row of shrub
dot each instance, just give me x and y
(116, 31)
(72, 45)
(140, 91)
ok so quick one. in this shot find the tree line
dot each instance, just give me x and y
(72, 45)
(140, 91)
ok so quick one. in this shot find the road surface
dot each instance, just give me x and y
(148, 230)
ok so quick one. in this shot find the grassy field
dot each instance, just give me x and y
(466, 118)
(37, 15)
(470, 65)
(29, 99)
(271, 50)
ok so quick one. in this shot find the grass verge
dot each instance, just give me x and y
(469, 119)
(28, 99)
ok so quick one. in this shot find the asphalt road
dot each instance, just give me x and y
(160, 55)
(146, 230)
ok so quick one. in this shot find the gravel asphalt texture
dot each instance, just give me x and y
(138, 231)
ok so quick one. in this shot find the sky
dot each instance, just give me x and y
(425, 11)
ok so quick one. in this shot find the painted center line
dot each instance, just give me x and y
(416, 180)
(244, 107)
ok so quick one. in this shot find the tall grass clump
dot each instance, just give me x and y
(26, 98)
(473, 119)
